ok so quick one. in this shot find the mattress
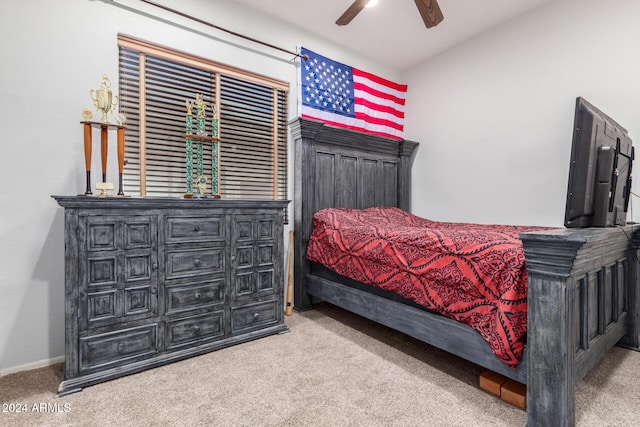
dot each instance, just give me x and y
(472, 273)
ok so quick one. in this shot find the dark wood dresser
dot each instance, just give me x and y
(149, 281)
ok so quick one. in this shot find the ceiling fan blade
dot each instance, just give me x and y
(351, 12)
(430, 12)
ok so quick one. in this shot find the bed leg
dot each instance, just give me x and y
(551, 370)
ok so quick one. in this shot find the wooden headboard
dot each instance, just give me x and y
(335, 167)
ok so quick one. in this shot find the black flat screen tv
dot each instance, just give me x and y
(600, 170)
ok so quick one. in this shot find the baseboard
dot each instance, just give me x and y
(34, 365)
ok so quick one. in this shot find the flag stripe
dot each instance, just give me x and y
(350, 123)
(379, 80)
(378, 121)
(380, 88)
(340, 95)
(359, 109)
(376, 93)
(356, 128)
(361, 97)
(380, 108)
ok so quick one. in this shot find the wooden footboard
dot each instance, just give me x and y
(581, 299)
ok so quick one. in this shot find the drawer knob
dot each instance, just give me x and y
(197, 263)
(196, 330)
(120, 348)
(256, 315)
(196, 228)
(196, 295)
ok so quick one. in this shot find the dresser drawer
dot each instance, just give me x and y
(195, 229)
(193, 330)
(193, 262)
(117, 348)
(255, 316)
(191, 296)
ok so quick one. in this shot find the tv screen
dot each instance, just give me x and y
(600, 170)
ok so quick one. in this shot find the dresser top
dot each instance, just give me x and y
(120, 202)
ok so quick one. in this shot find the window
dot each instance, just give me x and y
(155, 83)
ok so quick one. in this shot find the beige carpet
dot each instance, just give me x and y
(332, 369)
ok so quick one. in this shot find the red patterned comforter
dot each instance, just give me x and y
(472, 273)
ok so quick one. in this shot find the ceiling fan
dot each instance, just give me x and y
(429, 10)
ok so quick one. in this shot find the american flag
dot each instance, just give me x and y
(344, 96)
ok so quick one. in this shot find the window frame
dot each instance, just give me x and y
(278, 115)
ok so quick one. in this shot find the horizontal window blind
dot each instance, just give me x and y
(155, 82)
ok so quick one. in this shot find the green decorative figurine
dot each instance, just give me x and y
(189, 148)
(200, 136)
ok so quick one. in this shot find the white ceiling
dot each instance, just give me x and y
(392, 33)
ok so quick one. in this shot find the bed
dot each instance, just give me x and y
(582, 283)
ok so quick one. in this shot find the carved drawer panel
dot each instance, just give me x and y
(138, 267)
(102, 236)
(117, 348)
(105, 307)
(194, 329)
(244, 283)
(251, 228)
(194, 262)
(195, 229)
(109, 232)
(102, 307)
(101, 270)
(190, 296)
(265, 254)
(249, 282)
(140, 300)
(137, 234)
(105, 269)
(266, 281)
(243, 228)
(244, 257)
(266, 229)
(254, 316)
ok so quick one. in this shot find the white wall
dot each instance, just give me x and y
(52, 53)
(494, 115)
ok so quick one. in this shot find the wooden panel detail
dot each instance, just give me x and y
(195, 329)
(102, 270)
(325, 179)
(266, 229)
(193, 262)
(137, 235)
(139, 300)
(101, 306)
(191, 296)
(389, 184)
(195, 229)
(137, 267)
(368, 189)
(266, 281)
(346, 188)
(117, 348)
(254, 316)
(101, 236)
